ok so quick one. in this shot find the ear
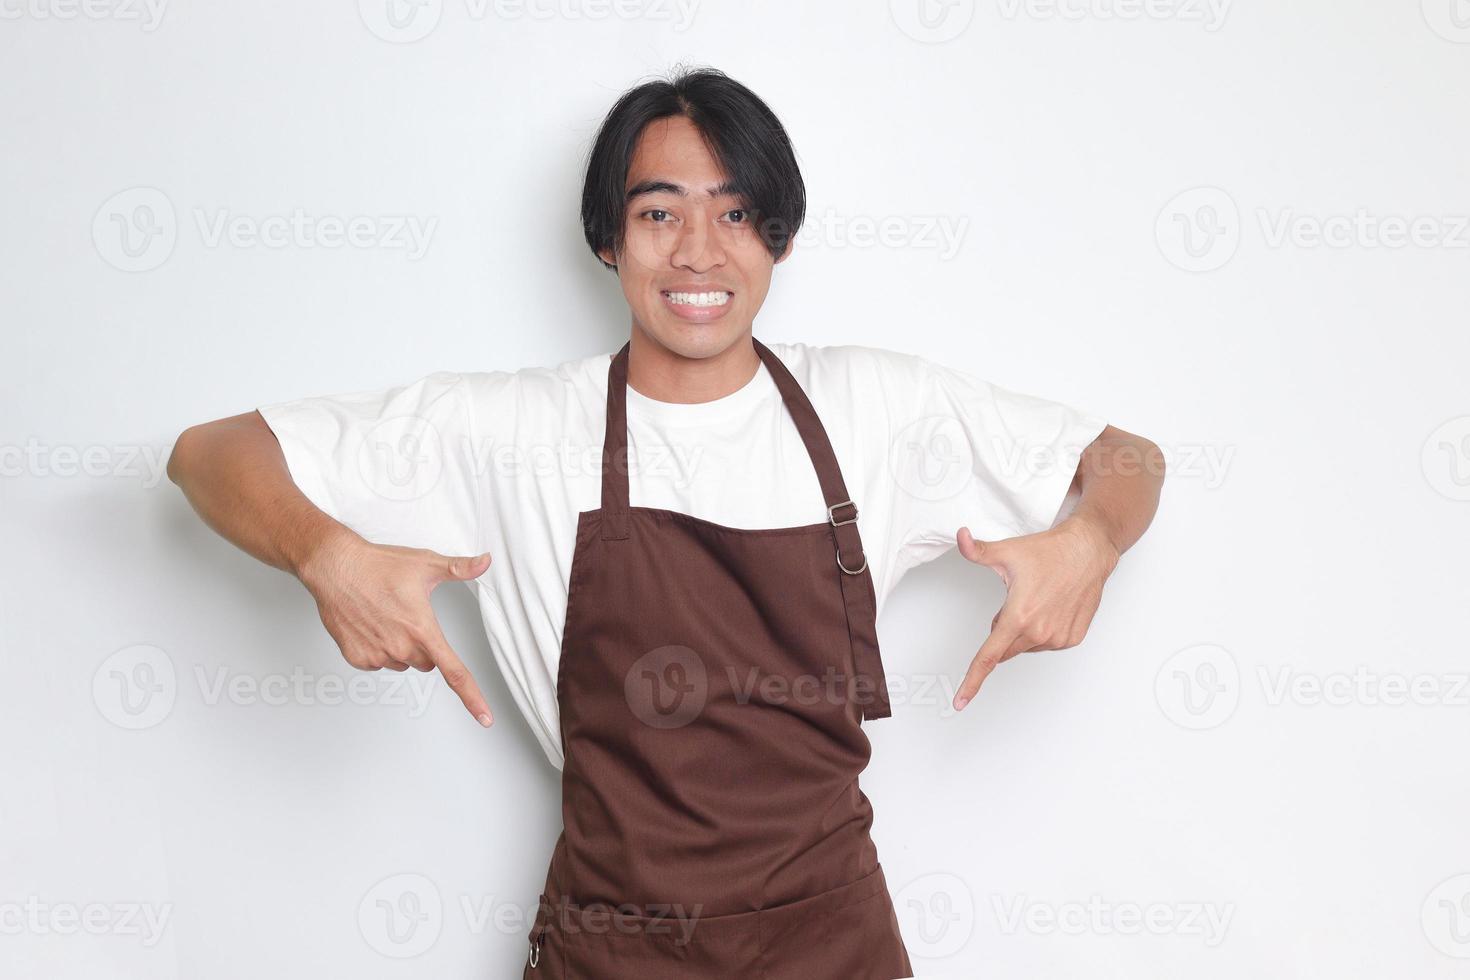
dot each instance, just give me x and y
(606, 255)
(785, 251)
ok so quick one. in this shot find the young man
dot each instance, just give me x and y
(691, 540)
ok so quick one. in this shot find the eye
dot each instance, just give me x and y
(743, 215)
(651, 212)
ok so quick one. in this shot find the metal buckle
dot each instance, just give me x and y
(832, 517)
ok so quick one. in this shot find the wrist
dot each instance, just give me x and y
(319, 550)
(1097, 536)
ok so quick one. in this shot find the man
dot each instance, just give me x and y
(683, 597)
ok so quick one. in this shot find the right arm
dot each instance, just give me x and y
(373, 599)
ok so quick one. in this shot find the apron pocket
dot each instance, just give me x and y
(849, 932)
(609, 945)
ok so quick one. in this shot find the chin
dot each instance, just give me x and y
(697, 341)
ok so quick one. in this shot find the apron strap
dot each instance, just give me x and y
(842, 513)
(858, 596)
(615, 450)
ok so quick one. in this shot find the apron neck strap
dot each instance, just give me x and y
(841, 511)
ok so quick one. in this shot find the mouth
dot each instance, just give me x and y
(701, 306)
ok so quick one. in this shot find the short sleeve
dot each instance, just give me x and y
(967, 453)
(395, 465)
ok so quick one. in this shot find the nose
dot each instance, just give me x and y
(698, 249)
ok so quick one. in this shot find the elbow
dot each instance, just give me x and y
(1153, 458)
(183, 451)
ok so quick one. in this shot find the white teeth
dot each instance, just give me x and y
(699, 299)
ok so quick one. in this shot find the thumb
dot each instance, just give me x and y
(465, 568)
(980, 552)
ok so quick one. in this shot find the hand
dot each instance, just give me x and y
(374, 601)
(1054, 581)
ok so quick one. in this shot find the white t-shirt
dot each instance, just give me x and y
(500, 461)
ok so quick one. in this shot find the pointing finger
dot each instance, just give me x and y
(458, 677)
(992, 651)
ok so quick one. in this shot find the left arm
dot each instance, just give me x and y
(1054, 578)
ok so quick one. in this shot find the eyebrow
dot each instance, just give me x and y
(659, 184)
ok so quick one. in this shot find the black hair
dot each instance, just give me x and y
(742, 133)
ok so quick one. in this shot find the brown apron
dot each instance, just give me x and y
(712, 688)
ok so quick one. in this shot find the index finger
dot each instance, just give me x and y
(458, 677)
(1003, 636)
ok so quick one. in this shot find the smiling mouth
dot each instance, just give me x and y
(713, 298)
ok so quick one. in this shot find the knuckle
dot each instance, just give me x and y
(358, 659)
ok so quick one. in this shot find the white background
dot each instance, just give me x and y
(1183, 764)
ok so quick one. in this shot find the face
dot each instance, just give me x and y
(693, 269)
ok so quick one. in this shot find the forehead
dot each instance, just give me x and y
(673, 149)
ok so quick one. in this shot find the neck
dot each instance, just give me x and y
(657, 372)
